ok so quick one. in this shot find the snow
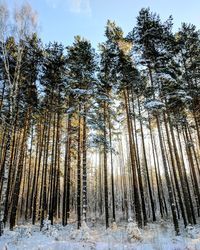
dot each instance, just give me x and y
(154, 105)
(181, 94)
(133, 232)
(71, 110)
(122, 236)
(166, 76)
(82, 91)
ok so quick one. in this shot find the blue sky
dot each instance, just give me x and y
(61, 20)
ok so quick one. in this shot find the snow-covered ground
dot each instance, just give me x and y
(118, 237)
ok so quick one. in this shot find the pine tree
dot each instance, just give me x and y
(53, 80)
(81, 65)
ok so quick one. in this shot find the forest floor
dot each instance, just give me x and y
(123, 236)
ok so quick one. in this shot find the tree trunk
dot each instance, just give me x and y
(133, 164)
(112, 174)
(146, 166)
(16, 191)
(105, 166)
(84, 195)
(169, 187)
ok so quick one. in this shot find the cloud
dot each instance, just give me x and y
(80, 6)
(54, 3)
(74, 6)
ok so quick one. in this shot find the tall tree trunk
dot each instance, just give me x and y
(133, 164)
(138, 163)
(45, 166)
(67, 174)
(84, 165)
(112, 174)
(79, 172)
(169, 187)
(105, 165)
(17, 186)
(183, 179)
(35, 171)
(52, 171)
(157, 172)
(29, 175)
(11, 173)
(192, 167)
(146, 165)
(174, 172)
(37, 177)
(55, 172)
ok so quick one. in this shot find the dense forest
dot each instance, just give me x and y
(110, 135)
